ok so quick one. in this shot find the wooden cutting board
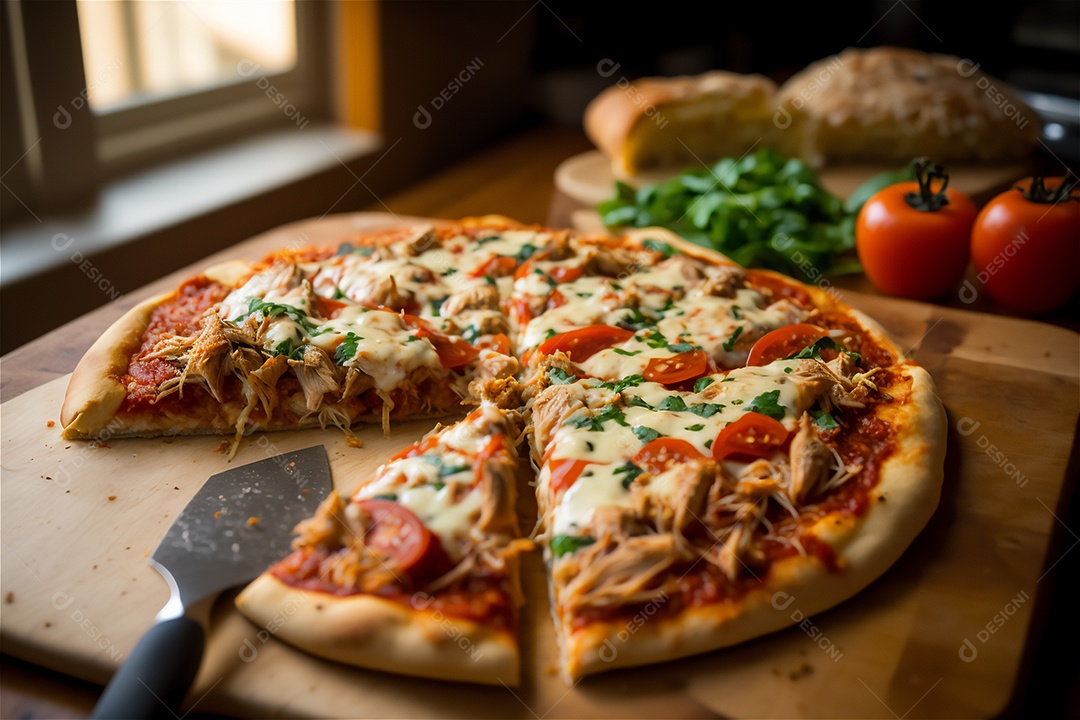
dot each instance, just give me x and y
(587, 178)
(942, 633)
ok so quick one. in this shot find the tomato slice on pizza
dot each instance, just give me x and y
(417, 571)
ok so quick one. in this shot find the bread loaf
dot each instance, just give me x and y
(875, 105)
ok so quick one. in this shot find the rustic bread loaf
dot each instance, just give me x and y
(662, 122)
(863, 105)
(892, 104)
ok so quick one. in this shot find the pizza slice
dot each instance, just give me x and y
(714, 443)
(388, 325)
(417, 572)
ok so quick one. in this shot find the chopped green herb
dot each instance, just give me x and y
(347, 349)
(525, 252)
(486, 240)
(550, 333)
(646, 434)
(659, 246)
(436, 306)
(338, 295)
(589, 446)
(673, 403)
(735, 312)
(729, 344)
(627, 353)
(706, 410)
(738, 402)
(411, 338)
(813, 352)
(703, 382)
(470, 334)
(708, 443)
(823, 420)
(567, 544)
(490, 281)
(635, 401)
(637, 320)
(695, 428)
(655, 339)
(620, 385)
(386, 496)
(596, 422)
(681, 347)
(767, 404)
(257, 306)
(449, 271)
(558, 376)
(631, 471)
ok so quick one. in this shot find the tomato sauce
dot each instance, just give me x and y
(481, 598)
(178, 316)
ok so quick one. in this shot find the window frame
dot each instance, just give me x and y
(69, 151)
(147, 131)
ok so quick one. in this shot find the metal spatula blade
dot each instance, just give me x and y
(237, 525)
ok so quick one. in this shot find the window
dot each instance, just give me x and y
(109, 86)
(138, 51)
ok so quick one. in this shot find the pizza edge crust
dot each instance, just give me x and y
(797, 588)
(95, 393)
(380, 634)
(910, 482)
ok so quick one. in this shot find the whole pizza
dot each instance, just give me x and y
(706, 441)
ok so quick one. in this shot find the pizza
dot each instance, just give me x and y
(707, 443)
(424, 549)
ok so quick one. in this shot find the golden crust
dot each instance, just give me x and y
(892, 104)
(672, 122)
(95, 392)
(371, 632)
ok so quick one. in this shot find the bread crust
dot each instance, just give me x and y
(95, 391)
(380, 634)
(680, 121)
(892, 104)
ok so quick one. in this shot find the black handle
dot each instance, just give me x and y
(157, 675)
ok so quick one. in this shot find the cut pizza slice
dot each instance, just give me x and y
(389, 325)
(715, 450)
(417, 573)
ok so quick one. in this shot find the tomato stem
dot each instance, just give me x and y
(1039, 193)
(928, 199)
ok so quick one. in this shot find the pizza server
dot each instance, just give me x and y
(235, 527)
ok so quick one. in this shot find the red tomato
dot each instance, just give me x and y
(584, 342)
(402, 541)
(783, 342)
(497, 266)
(566, 274)
(663, 453)
(499, 342)
(564, 473)
(493, 447)
(1026, 246)
(912, 239)
(327, 308)
(519, 308)
(751, 436)
(555, 299)
(452, 352)
(421, 448)
(523, 269)
(684, 366)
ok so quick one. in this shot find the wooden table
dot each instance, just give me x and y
(513, 178)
